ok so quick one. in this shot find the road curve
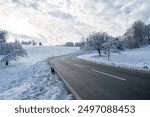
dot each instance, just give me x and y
(93, 81)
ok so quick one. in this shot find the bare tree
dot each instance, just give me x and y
(139, 33)
(136, 35)
(96, 40)
(148, 34)
(129, 41)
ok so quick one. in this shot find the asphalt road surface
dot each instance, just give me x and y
(92, 81)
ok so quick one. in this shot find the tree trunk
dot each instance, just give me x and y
(148, 38)
(99, 52)
(6, 62)
(108, 55)
(148, 34)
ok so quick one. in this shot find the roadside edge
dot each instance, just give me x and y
(66, 84)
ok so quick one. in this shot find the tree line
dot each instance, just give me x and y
(33, 42)
(136, 36)
(71, 44)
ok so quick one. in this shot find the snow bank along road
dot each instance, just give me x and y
(92, 81)
(30, 77)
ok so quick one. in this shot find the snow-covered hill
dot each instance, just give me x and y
(30, 77)
(132, 58)
(58, 21)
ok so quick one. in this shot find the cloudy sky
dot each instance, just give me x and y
(58, 21)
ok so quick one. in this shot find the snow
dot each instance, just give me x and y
(30, 77)
(39, 53)
(138, 59)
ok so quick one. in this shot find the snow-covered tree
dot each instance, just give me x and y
(33, 42)
(40, 44)
(11, 52)
(136, 35)
(25, 42)
(129, 42)
(3, 35)
(148, 34)
(96, 40)
(111, 46)
(139, 33)
(82, 43)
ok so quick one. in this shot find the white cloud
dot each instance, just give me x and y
(56, 22)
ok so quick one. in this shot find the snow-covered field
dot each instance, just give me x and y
(30, 77)
(133, 58)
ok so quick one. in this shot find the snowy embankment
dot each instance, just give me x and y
(133, 58)
(30, 77)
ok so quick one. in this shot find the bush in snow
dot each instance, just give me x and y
(11, 52)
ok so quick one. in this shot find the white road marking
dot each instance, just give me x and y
(79, 65)
(108, 75)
